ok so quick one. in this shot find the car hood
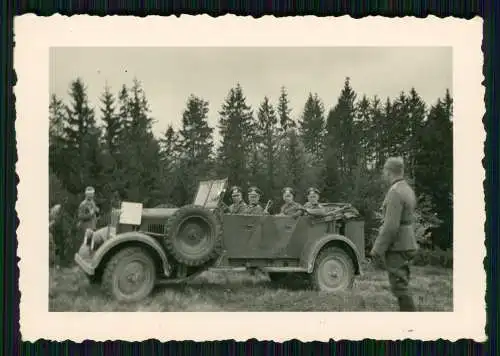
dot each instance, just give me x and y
(158, 212)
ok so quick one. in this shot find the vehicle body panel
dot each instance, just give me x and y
(270, 242)
(284, 242)
(313, 247)
(91, 261)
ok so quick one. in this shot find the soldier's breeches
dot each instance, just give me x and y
(398, 269)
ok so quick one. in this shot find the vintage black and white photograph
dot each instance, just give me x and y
(258, 178)
(251, 179)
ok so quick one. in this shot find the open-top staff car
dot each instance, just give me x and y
(143, 247)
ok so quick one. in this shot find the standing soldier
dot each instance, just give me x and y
(396, 244)
(53, 216)
(291, 207)
(254, 207)
(88, 211)
(239, 206)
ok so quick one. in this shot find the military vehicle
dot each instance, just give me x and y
(141, 248)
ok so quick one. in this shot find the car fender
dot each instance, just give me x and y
(125, 238)
(309, 255)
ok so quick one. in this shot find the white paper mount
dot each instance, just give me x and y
(131, 213)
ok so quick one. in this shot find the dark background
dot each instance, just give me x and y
(10, 312)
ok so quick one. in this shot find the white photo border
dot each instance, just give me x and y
(34, 35)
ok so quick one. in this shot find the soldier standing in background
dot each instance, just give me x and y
(254, 208)
(291, 207)
(239, 206)
(396, 244)
(88, 211)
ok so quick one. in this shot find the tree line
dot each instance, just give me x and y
(338, 148)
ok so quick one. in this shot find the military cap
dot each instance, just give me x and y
(254, 190)
(235, 190)
(312, 189)
(288, 190)
(89, 190)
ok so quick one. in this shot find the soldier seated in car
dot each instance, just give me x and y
(239, 206)
(254, 207)
(291, 207)
(313, 206)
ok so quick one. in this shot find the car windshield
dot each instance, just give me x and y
(209, 193)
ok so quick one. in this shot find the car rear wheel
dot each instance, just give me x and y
(193, 235)
(130, 275)
(333, 270)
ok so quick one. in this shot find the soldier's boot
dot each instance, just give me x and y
(406, 304)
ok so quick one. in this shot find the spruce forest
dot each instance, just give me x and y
(338, 146)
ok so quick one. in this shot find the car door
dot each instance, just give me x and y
(276, 235)
(241, 233)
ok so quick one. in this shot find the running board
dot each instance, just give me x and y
(266, 269)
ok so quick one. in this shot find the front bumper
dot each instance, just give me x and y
(84, 263)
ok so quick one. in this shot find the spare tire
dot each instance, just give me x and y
(193, 235)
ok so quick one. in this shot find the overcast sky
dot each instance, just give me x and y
(170, 75)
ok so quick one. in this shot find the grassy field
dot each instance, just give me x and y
(241, 291)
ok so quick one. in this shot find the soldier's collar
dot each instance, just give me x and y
(396, 181)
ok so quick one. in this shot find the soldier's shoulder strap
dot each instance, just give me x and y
(396, 185)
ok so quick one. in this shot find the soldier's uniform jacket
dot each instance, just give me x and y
(238, 208)
(397, 231)
(87, 214)
(254, 209)
(292, 208)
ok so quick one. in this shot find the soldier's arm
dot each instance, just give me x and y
(390, 227)
(84, 212)
(317, 211)
(299, 210)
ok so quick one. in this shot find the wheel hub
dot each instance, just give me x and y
(193, 238)
(333, 275)
(132, 277)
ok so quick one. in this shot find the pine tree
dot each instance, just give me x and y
(312, 125)
(284, 111)
(434, 167)
(113, 126)
(377, 133)
(140, 151)
(237, 133)
(56, 133)
(169, 148)
(332, 179)
(268, 143)
(295, 158)
(195, 143)
(79, 134)
(417, 112)
(56, 119)
(343, 114)
(399, 129)
(363, 124)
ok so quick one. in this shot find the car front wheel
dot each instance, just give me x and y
(333, 270)
(129, 275)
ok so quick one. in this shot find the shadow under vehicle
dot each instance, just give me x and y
(143, 247)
